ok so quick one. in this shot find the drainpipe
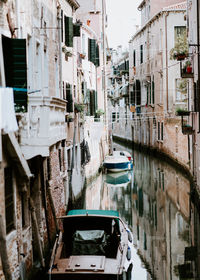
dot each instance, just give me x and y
(166, 60)
(59, 44)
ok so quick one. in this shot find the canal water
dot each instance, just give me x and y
(154, 201)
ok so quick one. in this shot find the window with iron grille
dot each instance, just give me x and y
(9, 199)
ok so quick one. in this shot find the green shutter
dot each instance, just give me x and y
(97, 56)
(14, 52)
(92, 50)
(69, 98)
(96, 102)
(76, 30)
(92, 103)
(153, 90)
(68, 32)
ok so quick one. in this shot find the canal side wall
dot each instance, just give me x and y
(95, 134)
(165, 149)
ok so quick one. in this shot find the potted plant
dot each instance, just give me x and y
(187, 129)
(180, 50)
(82, 55)
(78, 107)
(182, 112)
(188, 67)
(69, 118)
(98, 114)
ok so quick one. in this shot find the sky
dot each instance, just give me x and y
(123, 17)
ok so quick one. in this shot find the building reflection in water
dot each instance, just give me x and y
(155, 204)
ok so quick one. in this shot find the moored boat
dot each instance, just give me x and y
(94, 244)
(118, 161)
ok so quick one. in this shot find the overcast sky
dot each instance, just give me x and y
(122, 18)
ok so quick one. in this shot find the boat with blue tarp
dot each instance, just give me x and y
(93, 244)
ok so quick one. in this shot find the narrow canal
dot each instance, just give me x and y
(154, 201)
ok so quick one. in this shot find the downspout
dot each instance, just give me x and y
(166, 60)
(60, 49)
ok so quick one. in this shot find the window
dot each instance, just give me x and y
(69, 98)
(181, 90)
(153, 91)
(161, 131)
(14, 52)
(158, 130)
(179, 31)
(134, 58)
(68, 32)
(60, 159)
(113, 116)
(141, 54)
(9, 199)
(69, 159)
(61, 25)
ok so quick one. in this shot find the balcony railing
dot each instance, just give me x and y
(43, 125)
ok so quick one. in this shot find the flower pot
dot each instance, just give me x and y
(186, 129)
(180, 57)
(189, 69)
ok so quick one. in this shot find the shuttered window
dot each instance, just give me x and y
(14, 52)
(69, 98)
(91, 50)
(153, 91)
(97, 56)
(9, 199)
(141, 54)
(76, 30)
(92, 103)
(68, 32)
(61, 25)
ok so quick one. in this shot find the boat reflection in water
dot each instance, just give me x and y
(120, 179)
(155, 205)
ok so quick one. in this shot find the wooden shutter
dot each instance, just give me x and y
(153, 91)
(92, 50)
(14, 52)
(69, 98)
(68, 32)
(92, 103)
(61, 25)
(76, 30)
(97, 56)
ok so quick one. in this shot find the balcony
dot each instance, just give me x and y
(43, 125)
(186, 69)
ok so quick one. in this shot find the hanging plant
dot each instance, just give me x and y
(180, 50)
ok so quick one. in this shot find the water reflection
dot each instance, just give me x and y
(154, 201)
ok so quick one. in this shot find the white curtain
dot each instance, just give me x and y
(8, 122)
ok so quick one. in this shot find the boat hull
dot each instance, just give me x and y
(118, 167)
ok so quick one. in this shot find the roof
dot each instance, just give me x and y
(93, 212)
(178, 6)
(74, 4)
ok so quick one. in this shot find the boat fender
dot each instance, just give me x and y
(128, 255)
(129, 236)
